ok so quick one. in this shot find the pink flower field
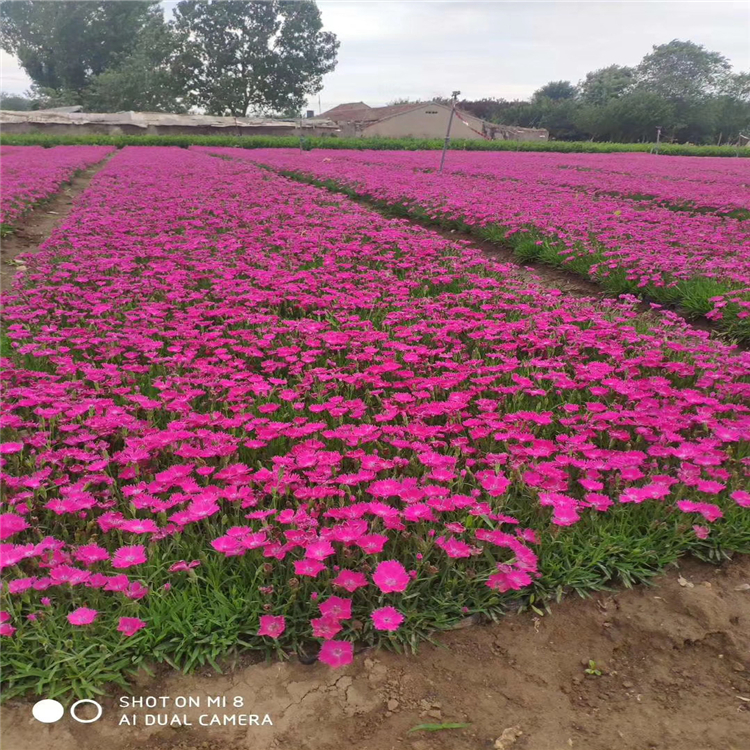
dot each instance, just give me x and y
(241, 412)
(670, 229)
(32, 173)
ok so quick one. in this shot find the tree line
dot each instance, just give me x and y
(236, 57)
(687, 91)
(227, 58)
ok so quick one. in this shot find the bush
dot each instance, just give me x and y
(376, 144)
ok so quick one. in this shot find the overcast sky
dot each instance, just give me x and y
(408, 48)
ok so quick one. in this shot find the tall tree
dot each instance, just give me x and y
(237, 57)
(64, 45)
(143, 80)
(556, 91)
(602, 85)
(14, 102)
(682, 70)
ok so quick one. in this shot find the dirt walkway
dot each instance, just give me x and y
(675, 675)
(34, 228)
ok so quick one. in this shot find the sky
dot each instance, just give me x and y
(395, 49)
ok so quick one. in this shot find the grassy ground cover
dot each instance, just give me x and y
(261, 416)
(367, 144)
(699, 262)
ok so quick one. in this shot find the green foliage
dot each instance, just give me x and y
(681, 87)
(236, 57)
(682, 71)
(556, 91)
(605, 84)
(362, 144)
(438, 727)
(64, 45)
(143, 81)
(14, 102)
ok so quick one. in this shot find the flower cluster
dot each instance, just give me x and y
(587, 221)
(259, 378)
(32, 173)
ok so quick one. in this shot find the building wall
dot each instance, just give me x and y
(422, 123)
(431, 121)
(116, 130)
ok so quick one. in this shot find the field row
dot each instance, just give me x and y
(699, 261)
(32, 173)
(258, 414)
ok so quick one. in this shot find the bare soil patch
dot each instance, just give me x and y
(675, 675)
(33, 228)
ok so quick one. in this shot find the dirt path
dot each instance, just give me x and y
(675, 675)
(34, 228)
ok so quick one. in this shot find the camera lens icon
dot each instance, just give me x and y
(86, 701)
(49, 711)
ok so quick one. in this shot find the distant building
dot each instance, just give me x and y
(423, 120)
(71, 121)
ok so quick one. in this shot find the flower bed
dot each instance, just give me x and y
(31, 174)
(699, 261)
(258, 415)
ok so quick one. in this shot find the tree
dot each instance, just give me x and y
(143, 81)
(64, 45)
(14, 102)
(556, 91)
(606, 84)
(682, 70)
(238, 57)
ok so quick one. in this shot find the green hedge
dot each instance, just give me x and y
(330, 142)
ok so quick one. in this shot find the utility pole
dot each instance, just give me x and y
(454, 98)
(658, 138)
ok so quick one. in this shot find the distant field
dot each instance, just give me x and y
(672, 231)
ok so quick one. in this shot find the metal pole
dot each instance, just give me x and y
(448, 132)
(658, 139)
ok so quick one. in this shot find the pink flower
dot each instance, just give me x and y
(11, 524)
(503, 581)
(387, 618)
(8, 448)
(391, 576)
(495, 484)
(6, 629)
(336, 606)
(701, 532)
(709, 511)
(319, 550)
(229, 546)
(336, 653)
(127, 557)
(82, 616)
(350, 580)
(742, 498)
(183, 565)
(272, 625)
(326, 627)
(308, 567)
(90, 554)
(130, 625)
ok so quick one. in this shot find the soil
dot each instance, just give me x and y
(34, 227)
(674, 660)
